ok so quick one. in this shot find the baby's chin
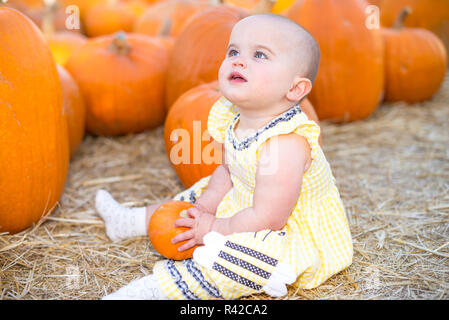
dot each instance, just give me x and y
(235, 96)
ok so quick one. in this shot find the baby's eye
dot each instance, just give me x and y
(260, 54)
(232, 52)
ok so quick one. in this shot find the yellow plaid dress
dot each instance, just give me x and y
(314, 244)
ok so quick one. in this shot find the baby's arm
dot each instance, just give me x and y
(277, 187)
(219, 184)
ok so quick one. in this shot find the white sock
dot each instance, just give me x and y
(121, 223)
(145, 288)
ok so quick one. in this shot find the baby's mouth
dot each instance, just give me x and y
(236, 77)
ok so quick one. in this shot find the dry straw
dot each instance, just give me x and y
(392, 171)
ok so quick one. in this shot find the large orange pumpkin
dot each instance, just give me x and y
(197, 54)
(34, 150)
(74, 110)
(200, 155)
(432, 15)
(177, 12)
(161, 229)
(416, 62)
(122, 80)
(350, 81)
(189, 112)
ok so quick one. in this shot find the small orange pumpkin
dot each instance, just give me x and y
(121, 78)
(109, 17)
(161, 229)
(432, 15)
(415, 62)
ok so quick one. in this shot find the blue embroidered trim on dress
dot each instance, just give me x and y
(286, 116)
(198, 276)
(237, 278)
(253, 253)
(177, 277)
(192, 197)
(246, 265)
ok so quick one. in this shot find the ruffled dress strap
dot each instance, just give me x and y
(310, 130)
(293, 120)
(220, 116)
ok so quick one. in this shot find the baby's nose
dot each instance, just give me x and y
(239, 62)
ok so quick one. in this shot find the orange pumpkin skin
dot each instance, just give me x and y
(193, 105)
(109, 17)
(137, 6)
(123, 88)
(62, 44)
(161, 230)
(197, 55)
(177, 11)
(34, 150)
(350, 80)
(74, 110)
(432, 15)
(83, 5)
(36, 11)
(416, 62)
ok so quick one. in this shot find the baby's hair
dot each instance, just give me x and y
(307, 50)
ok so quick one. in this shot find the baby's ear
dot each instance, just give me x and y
(299, 89)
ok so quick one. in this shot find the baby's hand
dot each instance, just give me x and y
(200, 223)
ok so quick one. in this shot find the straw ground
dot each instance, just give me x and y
(392, 170)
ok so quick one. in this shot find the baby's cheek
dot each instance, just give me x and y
(222, 72)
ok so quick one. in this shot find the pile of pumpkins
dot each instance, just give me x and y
(134, 65)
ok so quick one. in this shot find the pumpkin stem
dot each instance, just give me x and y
(119, 45)
(48, 26)
(399, 23)
(264, 6)
(166, 28)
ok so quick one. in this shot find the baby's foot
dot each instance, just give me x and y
(120, 222)
(145, 288)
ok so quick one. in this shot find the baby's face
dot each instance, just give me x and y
(258, 69)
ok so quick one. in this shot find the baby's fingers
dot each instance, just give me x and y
(184, 222)
(189, 234)
(189, 244)
(193, 212)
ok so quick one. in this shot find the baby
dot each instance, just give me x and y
(270, 215)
